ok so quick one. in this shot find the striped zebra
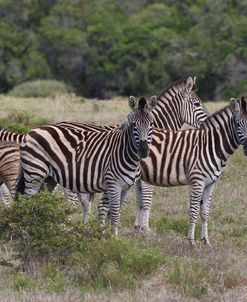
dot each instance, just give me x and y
(195, 157)
(178, 104)
(88, 161)
(9, 170)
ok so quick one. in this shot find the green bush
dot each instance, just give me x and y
(38, 88)
(39, 228)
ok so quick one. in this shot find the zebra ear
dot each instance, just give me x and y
(189, 85)
(152, 102)
(194, 80)
(133, 102)
(243, 103)
(235, 106)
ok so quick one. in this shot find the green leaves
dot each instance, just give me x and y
(105, 48)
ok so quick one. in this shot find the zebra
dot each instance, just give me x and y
(195, 157)
(177, 104)
(9, 170)
(88, 161)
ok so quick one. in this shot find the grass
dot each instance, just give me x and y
(160, 266)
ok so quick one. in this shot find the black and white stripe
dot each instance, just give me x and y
(177, 105)
(87, 161)
(195, 157)
(9, 169)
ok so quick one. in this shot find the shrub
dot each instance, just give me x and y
(117, 263)
(39, 228)
(45, 238)
(191, 278)
(38, 88)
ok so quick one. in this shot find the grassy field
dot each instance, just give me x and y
(160, 266)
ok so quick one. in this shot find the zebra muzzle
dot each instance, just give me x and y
(143, 149)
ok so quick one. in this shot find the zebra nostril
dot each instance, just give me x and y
(143, 149)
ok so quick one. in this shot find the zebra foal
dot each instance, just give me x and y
(87, 161)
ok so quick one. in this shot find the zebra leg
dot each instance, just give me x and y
(33, 184)
(5, 195)
(86, 202)
(138, 219)
(34, 174)
(145, 203)
(72, 198)
(204, 212)
(114, 195)
(196, 192)
(103, 208)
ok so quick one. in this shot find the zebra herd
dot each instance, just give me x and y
(148, 149)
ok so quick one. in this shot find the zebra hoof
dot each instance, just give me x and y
(206, 242)
(192, 243)
(146, 229)
(137, 229)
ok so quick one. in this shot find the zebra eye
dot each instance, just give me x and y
(196, 104)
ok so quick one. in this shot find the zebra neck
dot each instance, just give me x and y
(167, 112)
(223, 125)
(130, 149)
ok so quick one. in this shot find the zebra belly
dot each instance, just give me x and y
(158, 175)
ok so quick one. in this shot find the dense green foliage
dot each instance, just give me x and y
(105, 47)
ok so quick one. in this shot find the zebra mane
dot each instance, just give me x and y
(142, 102)
(212, 117)
(177, 84)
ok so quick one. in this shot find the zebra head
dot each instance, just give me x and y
(192, 111)
(141, 121)
(239, 108)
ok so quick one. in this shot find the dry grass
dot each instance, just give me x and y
(216, 274)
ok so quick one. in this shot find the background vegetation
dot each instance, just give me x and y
(46, 254)
(101, 48)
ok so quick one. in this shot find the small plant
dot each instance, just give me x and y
(190, 278)
(53, 278)
(38, 88)
(22, 281)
